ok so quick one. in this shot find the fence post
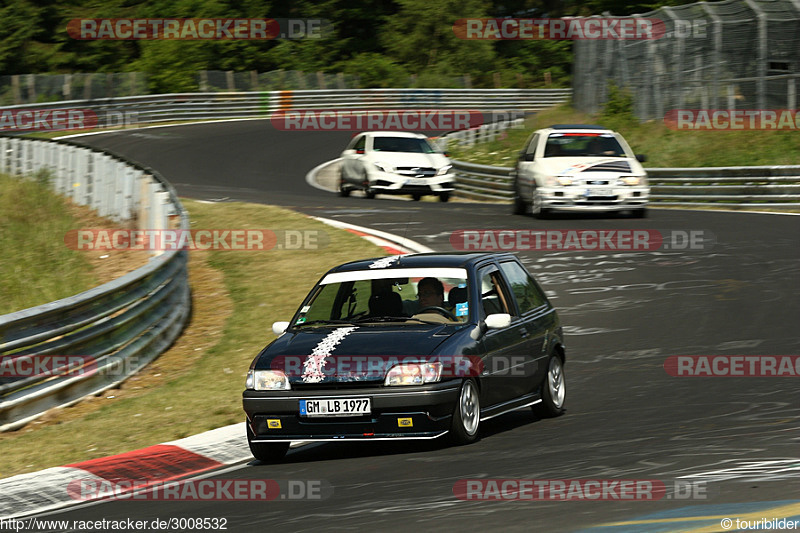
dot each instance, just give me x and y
(761, 84)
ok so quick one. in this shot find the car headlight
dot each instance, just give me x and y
(631, 180)
(553, 181)
(384, 167)
(444, 170)
(266, 380)
(413, 374)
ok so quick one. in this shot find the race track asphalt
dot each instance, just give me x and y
(624, 312)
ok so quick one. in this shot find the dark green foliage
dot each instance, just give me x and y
(385, 42)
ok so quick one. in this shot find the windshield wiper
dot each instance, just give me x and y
(330, 321)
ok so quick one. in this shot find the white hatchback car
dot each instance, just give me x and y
(579, 167)
(393, 162)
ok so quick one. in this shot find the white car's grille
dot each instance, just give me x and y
(417, 172)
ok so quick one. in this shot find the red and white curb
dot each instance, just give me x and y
(49, 489)
(394, 244)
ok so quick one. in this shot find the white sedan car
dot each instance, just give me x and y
(395, 162)
(579, 167)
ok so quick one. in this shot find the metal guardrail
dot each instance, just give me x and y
(206, 106)
(116, 328)
(764, 186)
(130, 321)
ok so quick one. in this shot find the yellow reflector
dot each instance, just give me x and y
(405, 422)
(274, 424)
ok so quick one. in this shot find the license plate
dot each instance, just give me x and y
(599, 192)
(415, 181)
(336, 407)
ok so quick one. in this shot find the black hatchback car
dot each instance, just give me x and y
(407, 347)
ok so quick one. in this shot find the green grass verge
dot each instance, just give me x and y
(663, 147)
(263, 286)
(35, 265)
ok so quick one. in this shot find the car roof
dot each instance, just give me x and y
(427, 260)
(394, 134)
(560, 128)
(577, 127)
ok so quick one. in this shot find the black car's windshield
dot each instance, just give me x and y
(399, 297)
(402, 144)
(583, 144)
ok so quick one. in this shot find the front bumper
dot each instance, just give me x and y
(388, 183)
(273, 416)
(576, 198)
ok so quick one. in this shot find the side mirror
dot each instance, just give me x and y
(279, 328)
(498, 321)
(526, 157)
(641, 158)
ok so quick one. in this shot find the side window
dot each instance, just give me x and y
(531, 148)
(494, 299)
(527, 293)
(361, 143)
(352, 144)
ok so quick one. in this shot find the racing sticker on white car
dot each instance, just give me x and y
(314, 363)
(606, 166)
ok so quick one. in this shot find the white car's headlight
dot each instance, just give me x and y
(631, 180)
(384, 167)
(266, 380)
(560, 181)
(413, 374)
(444, 170)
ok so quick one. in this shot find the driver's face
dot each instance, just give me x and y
(428, 297)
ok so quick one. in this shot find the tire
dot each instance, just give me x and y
(639, 213)
(466, 415)
(266, 452)
(416, 197)
(368, 192)
(344, 191)
(554, 390)
(519, 205)
(444, 197)
(536, 207)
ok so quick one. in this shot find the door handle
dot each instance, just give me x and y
(523, 332)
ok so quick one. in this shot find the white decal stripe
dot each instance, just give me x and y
(312, 367)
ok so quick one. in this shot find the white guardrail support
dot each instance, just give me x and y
(114, 329)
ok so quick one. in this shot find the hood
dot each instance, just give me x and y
(340, 354)
(406, 159)
(588, 167)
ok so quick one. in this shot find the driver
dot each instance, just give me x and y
(430, 293)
